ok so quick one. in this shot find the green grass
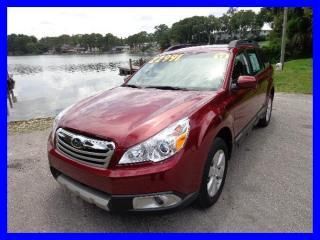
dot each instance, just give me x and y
(296, 77)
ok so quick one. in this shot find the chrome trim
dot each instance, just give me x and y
(79, 156)
(87, 194)
(80, 151)
(96, 144)
(91, 151)
(155, 201)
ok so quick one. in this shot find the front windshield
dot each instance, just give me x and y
(192, 71)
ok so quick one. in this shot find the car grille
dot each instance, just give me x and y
(84, 149)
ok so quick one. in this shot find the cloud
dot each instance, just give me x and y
(146, 18)
(121, 22)
(45, 22)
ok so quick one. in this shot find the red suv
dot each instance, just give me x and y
(163, 139)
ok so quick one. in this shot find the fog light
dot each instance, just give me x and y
(155, 201)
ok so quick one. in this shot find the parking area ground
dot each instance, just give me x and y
(268, 186)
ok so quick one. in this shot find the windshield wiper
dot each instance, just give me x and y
(168, 88)
(131, 86)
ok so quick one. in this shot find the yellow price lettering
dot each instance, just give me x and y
(166, 58)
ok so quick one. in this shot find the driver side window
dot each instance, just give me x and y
(241, 67)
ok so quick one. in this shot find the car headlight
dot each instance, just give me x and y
(57, 119)
(161, 146)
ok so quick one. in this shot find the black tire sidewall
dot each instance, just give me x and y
(263, 121)
(270, 99)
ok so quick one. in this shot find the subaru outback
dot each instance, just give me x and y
(163, 139)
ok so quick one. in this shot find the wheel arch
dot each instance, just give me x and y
(226, 134)
(217, 128)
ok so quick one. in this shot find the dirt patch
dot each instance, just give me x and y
(30, 125)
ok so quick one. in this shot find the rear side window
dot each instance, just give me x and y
(254, 61)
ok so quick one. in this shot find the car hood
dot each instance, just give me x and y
(129, 115)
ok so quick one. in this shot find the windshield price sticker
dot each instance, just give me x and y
(166, 58)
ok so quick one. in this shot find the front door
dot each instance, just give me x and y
(242, 100)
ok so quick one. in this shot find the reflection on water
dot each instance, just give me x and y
(47, 84)
(22, 69)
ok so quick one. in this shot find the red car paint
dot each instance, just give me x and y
(128, 116)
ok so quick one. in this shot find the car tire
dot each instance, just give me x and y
(209, 194)
(263, 122)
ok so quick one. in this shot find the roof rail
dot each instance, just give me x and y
(179, 46)
(238, 43)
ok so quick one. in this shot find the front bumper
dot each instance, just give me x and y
(181, 174)
(175, 181)
(137, 203)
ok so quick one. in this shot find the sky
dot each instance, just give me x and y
(122, 22)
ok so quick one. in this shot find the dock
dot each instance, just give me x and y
(126, 70)
(130, 69)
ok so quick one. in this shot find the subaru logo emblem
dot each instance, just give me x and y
(76, 142)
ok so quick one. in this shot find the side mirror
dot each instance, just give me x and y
(246, 82)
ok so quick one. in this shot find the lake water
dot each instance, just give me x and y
(46, 84)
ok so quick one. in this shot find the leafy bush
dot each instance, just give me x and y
(272, 52)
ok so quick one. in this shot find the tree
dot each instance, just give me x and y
(242, 21)
(162, 35)
(212, 24)
(137, 40)
(19, 44)
(266, 14)
(181, 32)
(110, 41)
(224, 21)
(299, 32)
(195, 29)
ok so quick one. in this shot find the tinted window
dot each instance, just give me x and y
(241, 67)
(254, 61)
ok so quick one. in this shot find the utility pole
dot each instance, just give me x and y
(284, 31)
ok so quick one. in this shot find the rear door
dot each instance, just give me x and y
(267, 72)
(258, 70)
